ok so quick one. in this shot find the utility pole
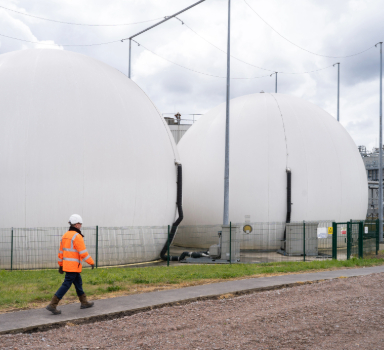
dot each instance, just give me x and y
(153, 26)
(338, 90)
(226, 167)
(275, 81)
(381, 147)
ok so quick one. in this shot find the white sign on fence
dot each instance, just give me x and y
(322, 232)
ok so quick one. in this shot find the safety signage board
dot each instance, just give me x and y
(343, 231)
(330, 230)
(321, 232)
(366, 229)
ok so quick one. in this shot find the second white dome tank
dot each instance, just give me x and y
(268, 134)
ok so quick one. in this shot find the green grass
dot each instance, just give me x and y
(20, 289)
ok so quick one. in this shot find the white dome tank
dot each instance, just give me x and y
(268, 134)
(78, 136)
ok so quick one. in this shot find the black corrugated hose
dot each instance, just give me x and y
(179, 200)
(289, 204)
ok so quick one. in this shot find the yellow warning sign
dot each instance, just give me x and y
(330, 230)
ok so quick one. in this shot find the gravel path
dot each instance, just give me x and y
(346, 313)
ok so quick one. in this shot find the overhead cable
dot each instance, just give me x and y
(193, 70)
(41, 43)
(250, 64)
(80, 24)
(313, 53)
(216, 76)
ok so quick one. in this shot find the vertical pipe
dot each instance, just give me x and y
(129, 59)
(168, 245)
(230, 242)
(226, 168)
(304, 240)
(12, 249)
(97, 246)
(381, 148)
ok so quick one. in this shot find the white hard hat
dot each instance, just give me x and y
(75, 219)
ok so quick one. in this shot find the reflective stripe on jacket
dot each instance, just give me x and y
(73, 251)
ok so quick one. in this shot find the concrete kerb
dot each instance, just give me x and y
(106, 309)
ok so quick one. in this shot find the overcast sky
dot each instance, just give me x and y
(330, 28)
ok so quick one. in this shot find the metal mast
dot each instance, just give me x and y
(226, 168)
(381, 147)
(338, 90)
(153, 26)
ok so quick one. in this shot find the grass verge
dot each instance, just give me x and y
(33, 289)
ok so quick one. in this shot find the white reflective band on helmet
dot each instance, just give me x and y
(71, 259)
(70, 250)
(83, 251)
(87, 257)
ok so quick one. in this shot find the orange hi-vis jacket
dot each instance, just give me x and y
(73, 251)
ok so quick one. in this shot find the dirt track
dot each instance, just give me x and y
(337, 314)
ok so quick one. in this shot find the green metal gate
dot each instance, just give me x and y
(347, 240)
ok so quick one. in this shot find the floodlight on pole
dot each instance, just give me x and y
(338, 90)
(381, 147)
(226, 166)
(167, 18)
(275, 81)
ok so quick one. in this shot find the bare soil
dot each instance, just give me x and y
(345, 313)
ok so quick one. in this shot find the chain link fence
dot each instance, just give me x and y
(256, 242)
(37, 248)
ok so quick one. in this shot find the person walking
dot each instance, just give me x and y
(72, 252)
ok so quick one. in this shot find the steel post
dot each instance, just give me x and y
(377, 236)
(338, 90)
(12, 249)
(361, 240)
(97, 246)
(226, 167)
(129, 58)
(230, 242)
(381, 147)
(153, 26)
(304, 240)
(276, 83)
(168, 245)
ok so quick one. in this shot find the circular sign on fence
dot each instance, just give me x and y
(247, 228)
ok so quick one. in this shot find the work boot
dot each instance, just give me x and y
(84, 302)
(52, 306)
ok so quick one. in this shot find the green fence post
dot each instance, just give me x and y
(97, 245)
(12, 249)
(230, 242)
(377, 236)
(334, 240)
(304, 240)
(349, 240)
(361, 231)
(168, 246)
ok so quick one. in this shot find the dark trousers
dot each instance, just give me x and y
(71, 277)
